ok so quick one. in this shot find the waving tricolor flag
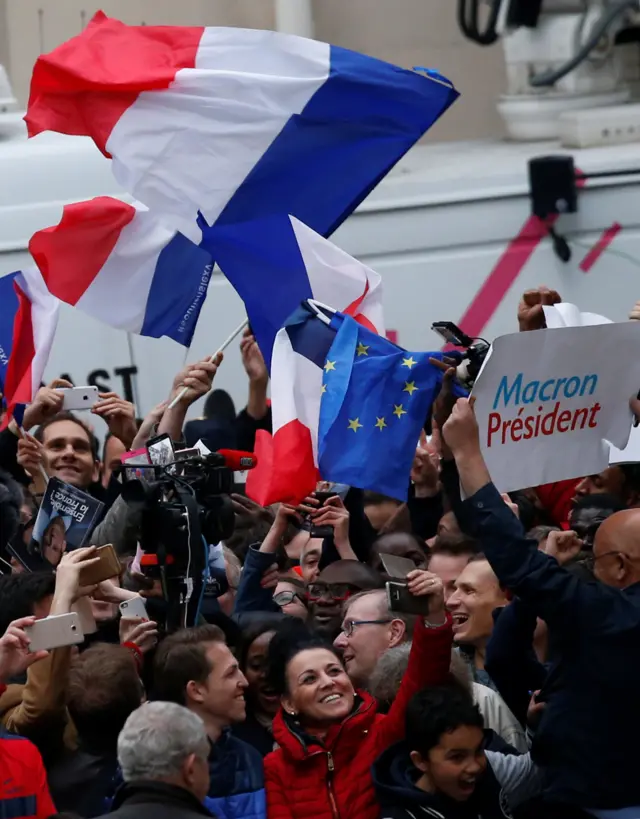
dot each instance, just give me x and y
(277, 263)
(121, 265)
(28, 321)
(234, 123)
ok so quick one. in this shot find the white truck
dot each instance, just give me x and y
(450, 229)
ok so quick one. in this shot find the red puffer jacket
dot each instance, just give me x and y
(332, 780)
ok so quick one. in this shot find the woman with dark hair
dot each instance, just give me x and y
(328, 734)
(262, 701)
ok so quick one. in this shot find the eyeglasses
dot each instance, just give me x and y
(593, 559)
(283, 598)
(349, 625)
(334, 591)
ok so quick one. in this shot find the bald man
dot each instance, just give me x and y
(587, 741)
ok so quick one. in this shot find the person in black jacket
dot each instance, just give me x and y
(442, 769)
(162, 750)
(587, 737)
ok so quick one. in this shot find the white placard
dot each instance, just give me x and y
(568, 315)
(549, 401)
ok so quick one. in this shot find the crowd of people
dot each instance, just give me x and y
(505, 684)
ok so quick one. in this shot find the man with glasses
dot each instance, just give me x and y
(369, 629)
(332, 588)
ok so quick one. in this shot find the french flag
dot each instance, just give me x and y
(234, 123)
(28, 321)
(279, 262)
(287, 469)
(120, 264)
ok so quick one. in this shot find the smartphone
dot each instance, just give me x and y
(134, 608)
(399, 598)
(108, 567)
(396, 566)
(54, 632)
(160, 450)
(78, 398)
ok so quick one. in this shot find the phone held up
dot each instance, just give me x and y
(399, 598)
(54, 632)
(78, 398)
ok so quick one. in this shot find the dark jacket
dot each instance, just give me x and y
(254, 733)
(70, 776)
(587, 738)
(144, 799)
(237, 780)
(506, 783)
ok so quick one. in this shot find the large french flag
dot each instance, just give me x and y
(120, 264)
(234, 123)
(33, 313)
(279, 262)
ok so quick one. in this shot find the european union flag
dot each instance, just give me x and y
(375, 400)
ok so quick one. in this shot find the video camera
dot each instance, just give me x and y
(468, 363)
(184, 507)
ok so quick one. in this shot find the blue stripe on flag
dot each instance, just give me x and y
(262, 260)
(8, 310)
(353, 130)
(309, 336)
(178, 291)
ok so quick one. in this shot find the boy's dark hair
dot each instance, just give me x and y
(20, 593)
(182, 657)
(290, 639)
(65, 415)
(104, 689)
(11, 499)
(436, 711)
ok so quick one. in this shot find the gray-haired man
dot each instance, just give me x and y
(163, 751)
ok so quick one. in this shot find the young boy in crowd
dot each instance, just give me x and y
(442, 769)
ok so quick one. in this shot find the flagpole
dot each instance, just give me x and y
(212, 358)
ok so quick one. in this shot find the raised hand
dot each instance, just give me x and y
(530, 312)
(120, 416)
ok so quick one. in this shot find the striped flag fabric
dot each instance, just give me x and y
(118, 263)
(279, 262)
(235, 123)
(32, 313)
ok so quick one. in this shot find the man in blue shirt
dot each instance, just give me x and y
(586, 743)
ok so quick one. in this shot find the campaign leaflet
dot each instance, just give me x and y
(65, 520)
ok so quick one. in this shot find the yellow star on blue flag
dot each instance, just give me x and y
(365, 391)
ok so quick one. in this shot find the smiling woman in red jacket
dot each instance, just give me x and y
(328, 734)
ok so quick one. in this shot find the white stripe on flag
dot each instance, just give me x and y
(236, 112)
(296, 389)
(118, 295)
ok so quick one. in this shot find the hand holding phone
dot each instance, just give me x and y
(78, 398)
(54, 632)
(134, 608)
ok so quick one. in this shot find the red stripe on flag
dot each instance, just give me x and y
(18, 388)
(600, 246)
(286, 471)
(85, 85)
(71, 254)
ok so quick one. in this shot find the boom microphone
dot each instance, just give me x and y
(237, 460)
